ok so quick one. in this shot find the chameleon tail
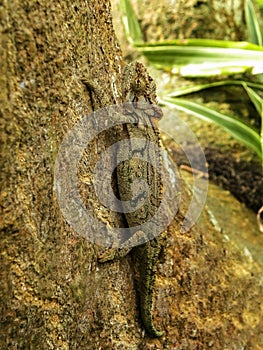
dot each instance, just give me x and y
(148, 260)
(147, 319)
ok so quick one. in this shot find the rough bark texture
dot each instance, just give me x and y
(54, 294)
(48, 281)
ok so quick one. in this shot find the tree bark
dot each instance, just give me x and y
(51, 295)
(54, 294)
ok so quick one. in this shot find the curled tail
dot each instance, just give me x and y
(146, 314)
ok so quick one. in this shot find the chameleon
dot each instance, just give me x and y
(139, 88)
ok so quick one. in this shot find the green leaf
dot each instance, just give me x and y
(258, 103)
(131, 25)
(255, 34)
(204, 57)
(234, 126)
(255, 98)
(243, 45)
(196, 88)
(259, 3)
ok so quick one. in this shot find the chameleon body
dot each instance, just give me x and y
(139, 88)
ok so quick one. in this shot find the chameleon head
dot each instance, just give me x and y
(137, 84)
(139, 87)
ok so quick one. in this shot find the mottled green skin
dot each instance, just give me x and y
(148, 255)
(139, 87)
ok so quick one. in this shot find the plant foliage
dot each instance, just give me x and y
(206, 58)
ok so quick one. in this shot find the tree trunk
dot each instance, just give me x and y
(52, 297)
(54, 294)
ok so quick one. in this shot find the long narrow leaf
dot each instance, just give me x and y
(194, 57)
(130, 22)
(200, 87)
(255, 34)
(234, 126)
(242, 45)
(255, 98)
(258, 103)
